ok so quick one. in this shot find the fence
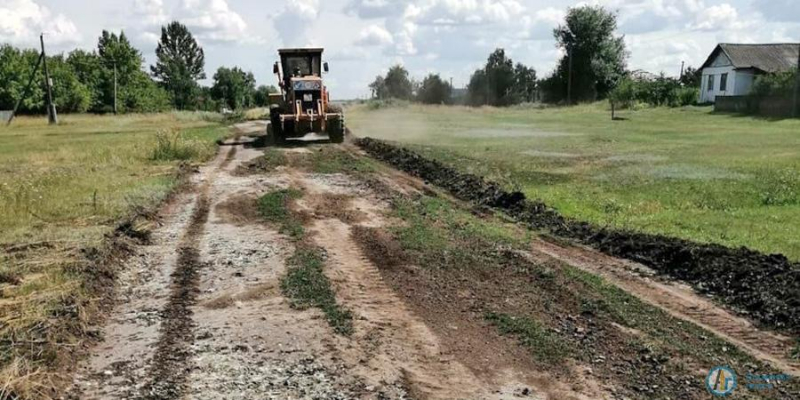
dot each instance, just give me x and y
(765, 106)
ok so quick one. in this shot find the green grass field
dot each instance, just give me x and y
(62, 189)
(682, 172)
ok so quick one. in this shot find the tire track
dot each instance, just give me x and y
(169, 369)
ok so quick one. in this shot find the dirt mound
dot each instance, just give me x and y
(766, 287)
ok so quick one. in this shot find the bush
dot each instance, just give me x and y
(387, 103)
(171, 145)
(660, 91)
(688, 96)
(778, 84)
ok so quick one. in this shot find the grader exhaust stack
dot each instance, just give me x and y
(303, 105)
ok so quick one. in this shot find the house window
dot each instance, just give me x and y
(723, 82)
(710, 83)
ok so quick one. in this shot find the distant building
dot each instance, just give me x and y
(731, 68)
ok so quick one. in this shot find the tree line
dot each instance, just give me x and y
(84, 81)
(593, 66)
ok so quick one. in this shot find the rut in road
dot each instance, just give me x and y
(169, 371)
(202, 315)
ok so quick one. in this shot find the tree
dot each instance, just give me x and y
(89, 70)
(500, 78)
(180, 63)
(478, 89)
(397, 83)
(500, 83)
(524, 84)
(692, 77)
(261, 97)
(435, 90)
(233, 87)
(115, 52)
(16, 67)
(378, 88)
(598, 57)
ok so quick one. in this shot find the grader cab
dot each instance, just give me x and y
(304, 105)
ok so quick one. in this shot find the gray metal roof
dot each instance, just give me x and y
(772, 57)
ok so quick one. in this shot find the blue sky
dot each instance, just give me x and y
(364, 37)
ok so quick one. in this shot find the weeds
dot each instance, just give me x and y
(307, 286)
(172, 145)
(274, 207)
(545, 346)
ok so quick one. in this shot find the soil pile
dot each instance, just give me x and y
(766, 287)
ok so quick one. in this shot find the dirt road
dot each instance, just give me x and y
(202, 314)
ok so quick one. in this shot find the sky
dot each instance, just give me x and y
(363, 38)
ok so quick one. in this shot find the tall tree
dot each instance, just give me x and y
(598, 56)
(435, 90)
(398, 84)
(524, 84)
(114, 52)
(378, 88)
(261, 97)
(233, 87)
(500, 78)
(500, 82)
(180, 63)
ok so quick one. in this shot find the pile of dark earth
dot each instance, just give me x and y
(762, 286)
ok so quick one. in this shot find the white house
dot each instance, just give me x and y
(731, 68)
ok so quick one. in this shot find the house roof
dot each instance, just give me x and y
(772, 57)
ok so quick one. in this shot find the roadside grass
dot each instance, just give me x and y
(306, 285)
(561, 314)
(683, 172)
(274, 207)
(325, 160)
(543, 344)
(63, 189)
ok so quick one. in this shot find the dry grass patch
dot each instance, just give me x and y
(63, 192)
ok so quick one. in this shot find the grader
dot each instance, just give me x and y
(303, 105)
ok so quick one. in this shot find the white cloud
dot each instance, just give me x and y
(718, 17)
(374, 35)
(21, 22)
(293, 22)
(778, 10)
(369, 9)
(150, 12)
(213, 21)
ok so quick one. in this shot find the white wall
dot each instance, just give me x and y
(708, 96)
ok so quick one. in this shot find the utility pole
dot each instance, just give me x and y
(51, 108)
(682, 64)
(569, 78)
(115, 87)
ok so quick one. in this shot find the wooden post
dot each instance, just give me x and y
(51, 108)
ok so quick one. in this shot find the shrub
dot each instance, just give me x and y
(660, 91)
(778, 84)
(688, 96)
(171, 145)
